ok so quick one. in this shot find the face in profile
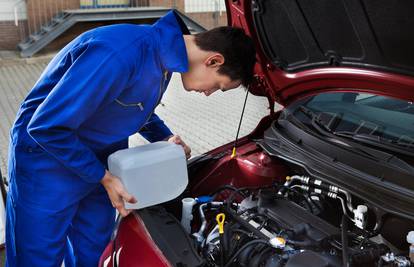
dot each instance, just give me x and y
(205, 78)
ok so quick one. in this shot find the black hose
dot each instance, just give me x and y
(245, 255)
(227, 238)
(260, 257)
(262, 225)
(228, 187)
(344, 237)
(229, 200)
(297, 243)
(253, 242)
(236, 243)
(222, 251)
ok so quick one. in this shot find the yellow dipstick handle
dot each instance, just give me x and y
(233, 154)
(220, 221)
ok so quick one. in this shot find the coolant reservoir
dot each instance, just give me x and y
(152, 173)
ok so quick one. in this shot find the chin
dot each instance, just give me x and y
(186, 87)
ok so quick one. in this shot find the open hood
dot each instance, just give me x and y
(306, 47)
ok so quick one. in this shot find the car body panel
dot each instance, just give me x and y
(285, 86)
(133, 247)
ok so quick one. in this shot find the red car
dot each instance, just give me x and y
(326, 181)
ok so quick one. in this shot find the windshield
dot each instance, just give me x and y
(366, 118)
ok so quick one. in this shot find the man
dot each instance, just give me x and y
(98, 90)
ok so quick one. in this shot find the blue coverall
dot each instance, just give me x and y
(98, 90)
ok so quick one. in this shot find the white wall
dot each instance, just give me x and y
(204, 5)
(9, 9)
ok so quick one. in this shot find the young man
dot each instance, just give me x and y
(97, 91)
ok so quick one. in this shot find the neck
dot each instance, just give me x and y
(190, 47)
(194, 53)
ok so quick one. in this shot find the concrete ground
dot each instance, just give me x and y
(203, 122)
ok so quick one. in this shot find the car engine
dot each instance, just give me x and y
(303, 222)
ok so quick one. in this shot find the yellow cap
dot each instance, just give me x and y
(278, 242)
(281, 240)
(288, 178)
(233, 154)
(220, 221)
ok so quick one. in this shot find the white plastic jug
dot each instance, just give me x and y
(152, 173)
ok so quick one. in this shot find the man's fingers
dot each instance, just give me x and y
(123, 212)
(128, 212)
(128, 198)
(119, 205)
(187, 151)
(177, 140)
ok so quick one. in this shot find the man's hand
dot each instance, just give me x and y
(176, 139)
(117, 193)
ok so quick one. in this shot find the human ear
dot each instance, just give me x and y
(215, 60)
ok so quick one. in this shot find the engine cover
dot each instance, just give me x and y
(289, 215)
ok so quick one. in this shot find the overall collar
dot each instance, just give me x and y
(172, 52)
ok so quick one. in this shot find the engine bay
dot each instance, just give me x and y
(301, 222)
(260, 210)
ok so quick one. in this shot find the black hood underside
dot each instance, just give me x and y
(299, 34)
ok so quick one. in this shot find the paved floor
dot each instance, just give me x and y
(203, 122)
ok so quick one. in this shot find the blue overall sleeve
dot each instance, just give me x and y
(155, 129)
(97, 75)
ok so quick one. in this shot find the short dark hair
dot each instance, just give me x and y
(237, 49)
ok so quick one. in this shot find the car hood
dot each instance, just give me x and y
(306, 47)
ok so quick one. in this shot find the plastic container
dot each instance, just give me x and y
(152, 173)
(187, 213)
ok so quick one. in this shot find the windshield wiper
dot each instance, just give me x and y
(326, 132)
(315, 121)
(379, 142)
(331, 135)
(373, 140)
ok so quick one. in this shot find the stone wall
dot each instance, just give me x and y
(10, 34)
